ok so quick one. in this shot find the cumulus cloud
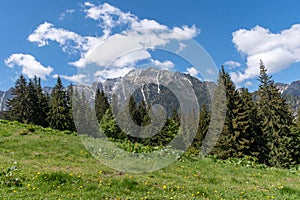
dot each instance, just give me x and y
(75, 78)
(131, 58)
(114, 48)
(68, 40)
(113, 72)
(108, 15)
(30, 66)
(132, 40)
(163, 65)
(192, 71)
(232, 64)
(277, 50)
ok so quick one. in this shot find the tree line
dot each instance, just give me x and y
(31, 105)
(265, 129)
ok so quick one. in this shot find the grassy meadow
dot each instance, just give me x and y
(41, 163)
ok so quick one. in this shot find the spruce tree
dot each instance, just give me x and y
(204, 119)
(249, 139)
(32, 101)
(133, 111)
(298, 118)
(227, 144)
(239, 132)
(69, 98)
(101, 104)
(18, 105)
(143, 111)
(277, 121)
(59, 114)
(109, 126)
(218, 109)
(42, 104)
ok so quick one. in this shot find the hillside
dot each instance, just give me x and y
(55, 165)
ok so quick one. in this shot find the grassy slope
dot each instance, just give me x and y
(53, 165)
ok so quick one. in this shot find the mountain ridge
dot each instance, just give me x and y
(290, 91)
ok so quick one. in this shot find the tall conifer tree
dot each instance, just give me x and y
(276, 122)
(18, 105)
(59, 114)
(101, 104)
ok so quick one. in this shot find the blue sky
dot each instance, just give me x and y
(50, 38)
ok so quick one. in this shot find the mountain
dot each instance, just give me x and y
(162, 87)
(4, 96)
(291, 92)
(292, 89)
(154, 89)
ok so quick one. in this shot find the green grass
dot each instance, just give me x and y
(38, 163)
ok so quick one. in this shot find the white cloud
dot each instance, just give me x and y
(75, 78)
(163, 65)
(127, 42)
(131, 58)
(113, 72)
(192, 71)
(109, 16)
(182, 46)
(65, 13)
(118, 49)
(147, 24)
(30, 66)
(277, 50)
(137, 34)
(68, 40)
(232, 64)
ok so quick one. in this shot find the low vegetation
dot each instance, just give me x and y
(41, 163)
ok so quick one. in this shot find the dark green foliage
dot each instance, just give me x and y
(69, 97)
(42, 105)
(109, 126)
(59, 116)
(298, 118)
(101, 104)
(134, 111)
(83, 115)
(204, 120)
(18, 105)
(265, 130)
(249, 125)
(276, 125)
(29, 104)
(227, 145)
(241, 131)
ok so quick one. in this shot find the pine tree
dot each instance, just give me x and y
(18, 105)
(143, 111)
(204, 119)
(239, 135)
(42, 104)
(101, 104)
(247, 124)
(218, 112)
(69, 99)
(109, 126)
(227, 145)
(133, 111)
(83, 114)
(298, 117)
(276, 122)
(32, 101)
(59, 114)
